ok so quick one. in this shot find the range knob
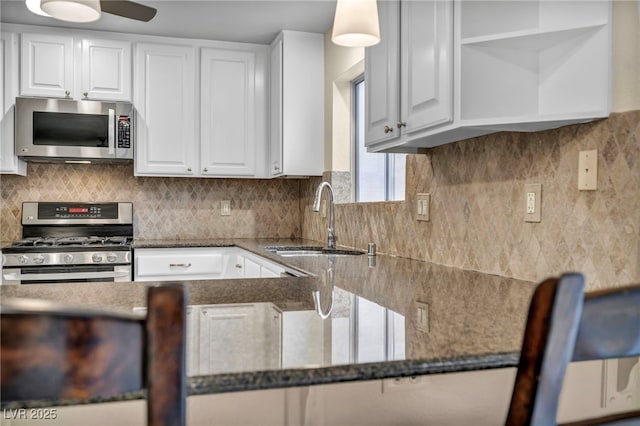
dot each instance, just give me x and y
(68, 258)
(111, 257)
(96, 258)
(39, 259)
(23, 259)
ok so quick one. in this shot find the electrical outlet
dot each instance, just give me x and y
(533, 202)
(402, 384)
(422, 206)
(225, 208)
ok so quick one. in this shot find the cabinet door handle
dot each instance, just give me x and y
(239, 266)
(388, 129)
(67, 93)
(205, 170)
(189, 169)
(86, 95)
(402, 124)
(179, 265)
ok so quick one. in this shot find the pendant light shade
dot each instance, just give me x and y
(356, 23)
(72, 10)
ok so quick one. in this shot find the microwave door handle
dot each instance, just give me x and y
(112, 131)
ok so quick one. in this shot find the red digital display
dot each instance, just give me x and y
(78, 210)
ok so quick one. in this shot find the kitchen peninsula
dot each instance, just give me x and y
(385, 317)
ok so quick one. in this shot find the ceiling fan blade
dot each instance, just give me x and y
(128, 9)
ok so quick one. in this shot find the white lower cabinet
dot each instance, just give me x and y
(203, 263)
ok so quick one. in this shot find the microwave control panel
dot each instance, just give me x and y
(124, 132)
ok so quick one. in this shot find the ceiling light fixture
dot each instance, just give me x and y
(356, 23)
(72, 10)
(34, 7)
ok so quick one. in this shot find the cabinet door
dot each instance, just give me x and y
(106, 70)
(227, 339)
(164, 96)
(9, 163)
(228, 127)
(426, 64)
(46, 67)
(382, 78)
(275, 163)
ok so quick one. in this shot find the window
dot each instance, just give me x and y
(376, 177)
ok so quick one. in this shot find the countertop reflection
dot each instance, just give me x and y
(352, 318)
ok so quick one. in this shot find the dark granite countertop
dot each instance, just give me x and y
(390, 317)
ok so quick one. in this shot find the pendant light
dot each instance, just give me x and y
(72, 10)
(356, 23)
(34, 7)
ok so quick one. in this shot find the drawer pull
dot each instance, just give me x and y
(239, 266)
(179, 265)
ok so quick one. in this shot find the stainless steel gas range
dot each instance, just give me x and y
(71, 242)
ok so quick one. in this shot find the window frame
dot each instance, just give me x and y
(356, 136)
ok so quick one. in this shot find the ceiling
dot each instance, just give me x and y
(253, 21)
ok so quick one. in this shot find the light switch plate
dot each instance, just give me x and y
(225, 208)
(422, 206)
(588, 170)
(422, 316)
(532, 202)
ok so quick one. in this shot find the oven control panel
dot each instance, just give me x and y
(61, 213)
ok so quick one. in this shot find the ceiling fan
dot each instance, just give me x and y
(90, 10)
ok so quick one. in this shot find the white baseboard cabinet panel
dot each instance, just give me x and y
(476, 398)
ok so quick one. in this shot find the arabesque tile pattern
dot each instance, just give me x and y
(179, 208)
(477, 206)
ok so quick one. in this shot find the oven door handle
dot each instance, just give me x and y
(15, 275)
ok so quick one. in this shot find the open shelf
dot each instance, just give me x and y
(495, 18)
(534, 74)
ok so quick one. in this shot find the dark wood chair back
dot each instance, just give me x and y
(51, 352)
(565, 325)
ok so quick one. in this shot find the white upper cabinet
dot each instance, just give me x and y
(164, 98)
(382, 78)
(408, 75)
(106, 70)
(426, 63)
(46, 66)
(524, 66)
(296, 105)
(225, 135)
(227, 116)
(48, 62)
(9, 162)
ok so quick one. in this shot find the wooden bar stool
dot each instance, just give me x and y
(565, 325)
(51, 352)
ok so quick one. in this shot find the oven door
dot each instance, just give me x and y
(66, 274)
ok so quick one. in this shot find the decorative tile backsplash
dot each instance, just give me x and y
(477, 206)
(181, 208)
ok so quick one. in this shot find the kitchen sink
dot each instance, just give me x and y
(291, 251)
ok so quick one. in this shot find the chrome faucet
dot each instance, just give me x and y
(331, 239)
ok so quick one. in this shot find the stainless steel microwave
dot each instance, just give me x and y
(74, 131)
